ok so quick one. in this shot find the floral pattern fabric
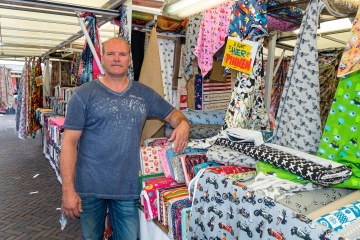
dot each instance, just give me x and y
(350, 60)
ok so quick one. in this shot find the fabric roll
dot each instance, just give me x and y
(227, 156)
(305, 168)
(174, 215)
(151, 76)
(150, 160)
(203, 165)
(188, 162)
(340, 218)
(301, 91)
(170, 155)
(277, 188)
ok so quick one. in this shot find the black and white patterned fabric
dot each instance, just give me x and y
(204, 130)
(228, 156)
(298, 123)
(192, 33)
(307, 169)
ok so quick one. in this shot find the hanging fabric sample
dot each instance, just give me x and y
(212, 34)
(89, 70)
(166, 53)
(301, 91)
(284, 19)
(328, 65)
(46, 82)
(6, 89)
(34, 96)
(192, 33)
(124, 32)
(277, 88)
(246, 108)
(151, 76)
(23, 99)
(248, 19)
(350, 60)
(339, 141)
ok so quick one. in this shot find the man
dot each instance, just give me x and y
(99, 161)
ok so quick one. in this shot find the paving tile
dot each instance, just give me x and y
(24, 216)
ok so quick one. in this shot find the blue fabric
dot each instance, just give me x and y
(204, 117)
(248, 19)
(170, 155)
(108, 161)
(123, 214)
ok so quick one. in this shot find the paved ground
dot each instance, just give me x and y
(28, 204)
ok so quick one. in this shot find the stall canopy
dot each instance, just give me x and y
(49, 28)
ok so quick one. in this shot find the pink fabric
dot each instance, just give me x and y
(281, 25)
(164, 163)
(148, 194)
(214, 29)
(58, 121)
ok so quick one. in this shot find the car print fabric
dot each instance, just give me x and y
(237, 212)
(301, 92)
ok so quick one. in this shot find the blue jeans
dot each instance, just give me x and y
(124, 218)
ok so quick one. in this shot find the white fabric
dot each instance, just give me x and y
(246, 135)
(149, 230)
(46, 81)
(277, 189)
(166, 51)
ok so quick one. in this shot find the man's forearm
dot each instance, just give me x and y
(176, 118)
(68, 157)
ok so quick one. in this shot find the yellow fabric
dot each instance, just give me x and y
(350, 60)
(151, 76)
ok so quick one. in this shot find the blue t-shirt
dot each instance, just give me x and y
(108, 160)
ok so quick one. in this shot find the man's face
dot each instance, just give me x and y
(116, 58)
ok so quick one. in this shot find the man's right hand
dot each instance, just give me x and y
(71, 204)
